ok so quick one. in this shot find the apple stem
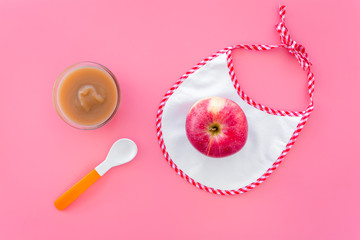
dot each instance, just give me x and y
(214, 128)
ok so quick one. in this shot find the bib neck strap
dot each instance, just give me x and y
(294, 48)
(297, 50)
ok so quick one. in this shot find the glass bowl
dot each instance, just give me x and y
(57, 87)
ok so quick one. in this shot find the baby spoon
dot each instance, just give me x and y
(122, 151)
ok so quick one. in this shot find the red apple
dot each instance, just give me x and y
(217, 127)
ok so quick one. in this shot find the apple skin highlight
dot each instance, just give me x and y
(216, 127)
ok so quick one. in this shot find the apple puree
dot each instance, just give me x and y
(88, 96)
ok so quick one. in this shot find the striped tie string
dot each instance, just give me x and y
(293, 47)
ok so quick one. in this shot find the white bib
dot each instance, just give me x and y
(271, 133)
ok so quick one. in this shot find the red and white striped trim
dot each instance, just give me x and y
(296, 50)
(252, 102)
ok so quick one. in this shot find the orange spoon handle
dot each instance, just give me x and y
(70, 195)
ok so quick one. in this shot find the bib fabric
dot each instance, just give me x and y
(271, 132)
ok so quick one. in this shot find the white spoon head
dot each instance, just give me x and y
(122, 151)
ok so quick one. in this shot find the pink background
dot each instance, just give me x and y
(148, 45)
